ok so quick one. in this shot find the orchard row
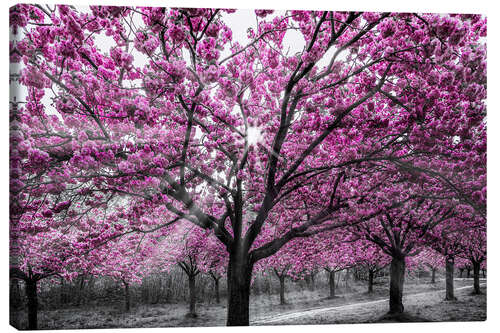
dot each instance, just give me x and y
(144, 137)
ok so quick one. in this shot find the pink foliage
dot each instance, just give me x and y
(179, 143)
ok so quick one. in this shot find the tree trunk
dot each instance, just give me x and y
(282, 289)
(31, 293)
(89, 288)
(308, 281)
(396, 285)
(239, 275)
(80, 290)
(356, 274)
(61, 292)
(468, 272)
(159, 292)
(313, 275)
(127, 297)
(370, 280)
(15, 294)
(192, 295)
(484, 273)
(216, 289)
(450, 266)
(433, 277)
(331, 282)
(476, 267)
(461, 271)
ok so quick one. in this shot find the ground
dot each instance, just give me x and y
(422, 306)
(423, 302)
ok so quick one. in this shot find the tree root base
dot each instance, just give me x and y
(454, 299)
(400, 318)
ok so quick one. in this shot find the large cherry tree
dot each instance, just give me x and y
(162, 107)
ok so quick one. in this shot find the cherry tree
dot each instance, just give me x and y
(333, 254)
(184, 248)
(400, 231)
(163, 117)
(446, 239)
(126, 261)
(429, 259)
(475, 251)
(281, 264)
(371, 257)
(294, 260)
(214, 263)
(195, 251)
(462, 264)
(39, 258)
(483, 268)
(44, 244)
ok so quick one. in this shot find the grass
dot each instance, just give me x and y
(417, 308)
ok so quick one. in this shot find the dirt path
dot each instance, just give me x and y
(344, 308)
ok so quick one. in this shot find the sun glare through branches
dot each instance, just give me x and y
(254, 136)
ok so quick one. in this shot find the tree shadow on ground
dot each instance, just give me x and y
(400, 318)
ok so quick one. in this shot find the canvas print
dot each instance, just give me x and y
(210, 167)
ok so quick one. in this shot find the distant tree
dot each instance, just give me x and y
(371, 258)
(429, 259)
(474, 243)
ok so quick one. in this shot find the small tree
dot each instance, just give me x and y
(429, 259)
(371, 258)
(474, 243)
